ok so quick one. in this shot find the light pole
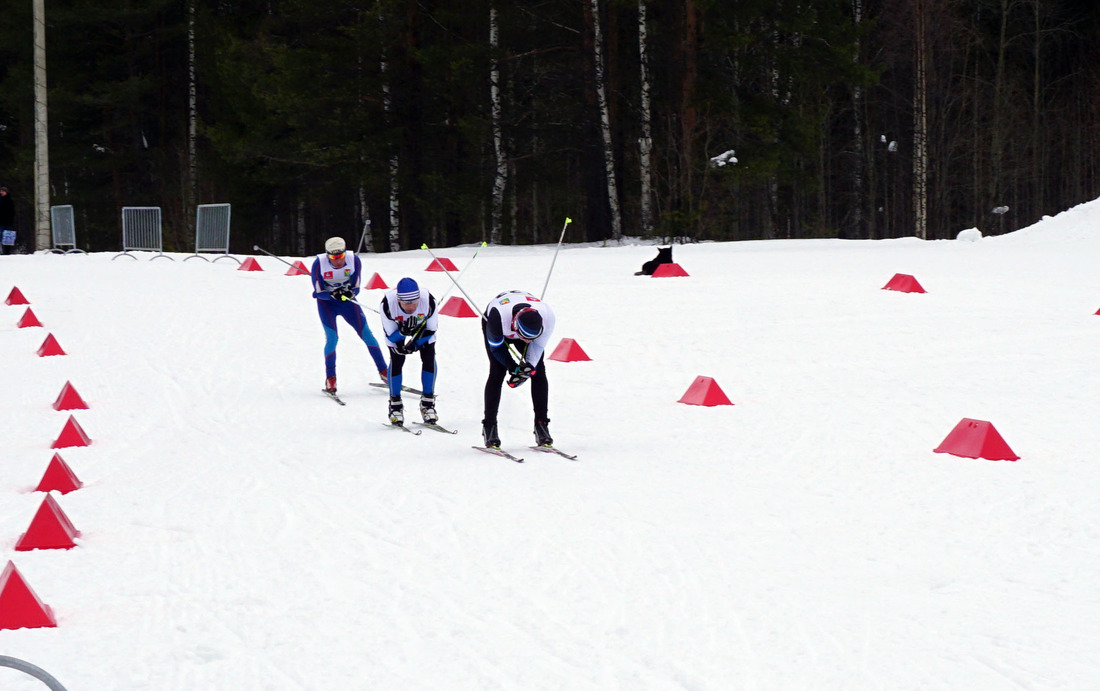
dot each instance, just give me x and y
(41, 138)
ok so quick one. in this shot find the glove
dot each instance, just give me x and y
(407, 327)
(342, 293)
(405, 347)
(521, 373)
(525, 370)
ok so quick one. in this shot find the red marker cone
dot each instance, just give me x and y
(28, 320)
(669, 270)
(442, 264)
(569, 351)
(376, 283)
(976, 439)
(19, 606)
(457, 307)
(59, 477)
(15, 297)
(50, 347)
(49, 529)
(71, 435)
(250, 264)
(296, 269)
(69, 399)
(705, 391)
(904, 283)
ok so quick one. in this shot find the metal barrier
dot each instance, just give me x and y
(212, 231)
(64, 230)
(141, 231)
(36, 672)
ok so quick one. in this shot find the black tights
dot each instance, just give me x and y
(540, 387)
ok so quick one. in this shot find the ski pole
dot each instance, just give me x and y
(472, 302)
(555, 259)
(296, 268)
(464, 269)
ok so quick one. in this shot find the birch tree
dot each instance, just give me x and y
(645, 141)
(605, 125)
(500, 180)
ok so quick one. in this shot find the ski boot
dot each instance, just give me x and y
(397, 408)
(489, 434)
(330, 385)
(427, 409)
(542, 433)
(384, 375)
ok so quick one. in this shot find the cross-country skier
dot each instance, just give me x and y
(337, 275)
(410, 321)
(517, 328)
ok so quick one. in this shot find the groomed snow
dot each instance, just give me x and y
(241, 531)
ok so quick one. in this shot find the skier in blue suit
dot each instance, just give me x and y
(337, 275)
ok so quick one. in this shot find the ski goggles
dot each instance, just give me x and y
(335, 255)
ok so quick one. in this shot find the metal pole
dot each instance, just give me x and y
(41, 133)
(555, 259)
(472, 301)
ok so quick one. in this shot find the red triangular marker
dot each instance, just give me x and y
(375, 283)
(250, 264)
(59, 477)
(669, 270)
(704, 391)
(976, 439)
(71, 435)
(569, 351)
(50, 347)
(19, 606)
(49, 529)
(442, 264)
(904, 283)
(69, 399)
(457, 307)
(296, 269)
(28, 320)
(15, 297)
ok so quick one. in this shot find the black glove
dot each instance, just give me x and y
(407, 327)
(405, 347)
(342, 293)
(521, 373)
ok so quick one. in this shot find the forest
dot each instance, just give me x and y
(400, 122)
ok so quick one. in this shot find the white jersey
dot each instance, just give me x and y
(396, 321)
(507, 305)
(332, 276)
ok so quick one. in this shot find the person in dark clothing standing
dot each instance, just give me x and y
(517, 328)
(7, 222)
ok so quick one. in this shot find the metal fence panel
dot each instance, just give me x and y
(212, 230)
(63, 226)
(141, 230)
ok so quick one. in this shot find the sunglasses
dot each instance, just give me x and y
(335, 255)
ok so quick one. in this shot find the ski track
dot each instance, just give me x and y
(239, 530)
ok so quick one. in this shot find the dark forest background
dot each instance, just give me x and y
(314, 116)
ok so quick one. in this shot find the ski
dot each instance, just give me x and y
(436, 427)
(497, 451)
(551, 449)
(333, 396)
(403, 428)
(406, 389)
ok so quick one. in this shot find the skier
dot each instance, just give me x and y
(517, 328)
(408, 312)
(337, 275)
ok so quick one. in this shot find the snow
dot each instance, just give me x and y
(240, 531)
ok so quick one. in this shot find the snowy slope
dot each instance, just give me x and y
(240, 531)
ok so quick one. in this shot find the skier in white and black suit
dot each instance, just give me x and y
(409, 313)
(517, 321)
